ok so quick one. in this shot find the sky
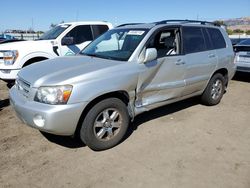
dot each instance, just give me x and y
(39, 15)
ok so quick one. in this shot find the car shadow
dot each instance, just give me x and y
(65, 141)
(159, 112)
(75, 142)
(242, 77)
(4, 103)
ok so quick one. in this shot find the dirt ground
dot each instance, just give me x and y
(180, 145)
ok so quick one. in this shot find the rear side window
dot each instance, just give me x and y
(193, 40)
(216, 38)
(207, 39)
(81, 34)
(99, 29)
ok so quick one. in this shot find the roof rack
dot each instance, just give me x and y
(187, 21)
(128, 24)
(176, 21)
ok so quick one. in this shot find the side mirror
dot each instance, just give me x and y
(150, 55)
(66, 41)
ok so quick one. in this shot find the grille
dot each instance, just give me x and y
(23, 87)
(247, 56)
(1, 58)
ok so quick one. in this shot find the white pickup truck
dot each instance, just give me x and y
(63, 40)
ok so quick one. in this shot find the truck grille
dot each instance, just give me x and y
(23, 87)
(1, 57)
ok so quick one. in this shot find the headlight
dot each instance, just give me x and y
(10, 57)
(53, 95)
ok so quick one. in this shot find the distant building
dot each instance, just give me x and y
(24, 34)
(19, 31)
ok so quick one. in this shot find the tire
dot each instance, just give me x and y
(10, 83)
(105, 124)
(214, 90)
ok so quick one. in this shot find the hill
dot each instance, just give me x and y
(238, 23)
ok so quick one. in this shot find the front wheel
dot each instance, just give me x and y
(105, 124)
(10, 83)
(214, 90)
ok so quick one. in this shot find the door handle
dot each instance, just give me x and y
(211, 55)
(180, 62)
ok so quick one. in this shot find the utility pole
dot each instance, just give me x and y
(77, 14)
(32, 24)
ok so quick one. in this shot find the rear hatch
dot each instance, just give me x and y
(242, 53)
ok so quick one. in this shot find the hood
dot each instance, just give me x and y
(20, 45)
(68, 70)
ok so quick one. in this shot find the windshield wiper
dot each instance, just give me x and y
(91, 55)
(94, 55)
(102, 56)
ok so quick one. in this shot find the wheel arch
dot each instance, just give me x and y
(34, 57)
(122, 95)
(33, 60)
(224, 73)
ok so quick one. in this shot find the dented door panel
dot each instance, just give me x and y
(161, 80)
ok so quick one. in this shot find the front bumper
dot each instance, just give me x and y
(59, 119)
(8, 74)
(242, 66)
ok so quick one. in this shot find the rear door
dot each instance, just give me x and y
(223, 53)
(99, 30)
(201, 59)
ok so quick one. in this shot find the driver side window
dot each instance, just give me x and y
(80, 34)
(166, 42)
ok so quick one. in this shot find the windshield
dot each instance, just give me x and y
(116, 44)
(54, 32)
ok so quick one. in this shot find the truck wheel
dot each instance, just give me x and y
(10, 83)
(214, 90)
(105, 124)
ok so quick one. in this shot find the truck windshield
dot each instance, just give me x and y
(54, 32)
(116, 44)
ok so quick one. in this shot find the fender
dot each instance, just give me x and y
(33, 55)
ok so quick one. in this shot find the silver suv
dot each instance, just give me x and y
(128, 70)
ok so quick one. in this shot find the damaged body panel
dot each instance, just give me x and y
(161, 80)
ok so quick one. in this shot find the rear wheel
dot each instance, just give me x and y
(214, 90)
(105, 124)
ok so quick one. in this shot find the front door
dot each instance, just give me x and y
(82, 36)
(162, 79)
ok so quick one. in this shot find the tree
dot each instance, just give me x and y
(39, 32)
(219, 22)
(229, 31)
(52, 25)
(238, 31)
